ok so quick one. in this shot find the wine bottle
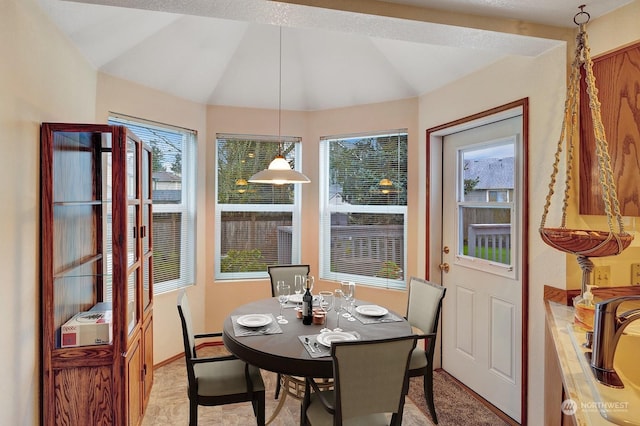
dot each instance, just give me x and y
(307, 304)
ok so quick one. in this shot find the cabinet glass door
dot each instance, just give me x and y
(134, 233)
(132, 169)
(76, 213)
(132, 314)
(147, 218)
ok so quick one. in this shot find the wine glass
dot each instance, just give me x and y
(326, 304)
(338, 298)
(349, 290)
(284, 290)
(298, 281)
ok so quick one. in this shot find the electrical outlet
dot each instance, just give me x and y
(635, 274)
(602, 276)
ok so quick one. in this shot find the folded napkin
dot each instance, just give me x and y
(239, 330)
(317, 350)
(366, 319)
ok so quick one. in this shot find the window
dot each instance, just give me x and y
(174, 200)
(256, 224)
(363, 192)
(486, 206)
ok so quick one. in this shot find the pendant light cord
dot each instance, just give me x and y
(280, 96)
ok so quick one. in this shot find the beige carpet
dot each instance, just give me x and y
(169, 405)
(454, 405)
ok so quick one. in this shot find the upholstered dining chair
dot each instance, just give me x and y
(287, 274)
(370, 380)
(423, 311)
(217, 380)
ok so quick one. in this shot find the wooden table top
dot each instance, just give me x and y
(284, 353)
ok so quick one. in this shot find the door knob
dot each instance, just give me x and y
(445, 250)
(444, 267)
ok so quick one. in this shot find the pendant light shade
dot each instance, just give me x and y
(279, 171)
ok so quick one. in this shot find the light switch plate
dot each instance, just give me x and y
(602, 276)
(635, 274)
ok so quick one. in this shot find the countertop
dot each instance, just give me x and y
(576, 386)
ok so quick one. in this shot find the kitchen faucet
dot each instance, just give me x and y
(607, 329)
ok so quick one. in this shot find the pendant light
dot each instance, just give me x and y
(279, 171)
(385, 185)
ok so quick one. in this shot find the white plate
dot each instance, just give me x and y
(371, 310)
(325, 339)
(295, 298)
(254, 320)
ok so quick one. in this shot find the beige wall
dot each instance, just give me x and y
(42, 78)
(223, 296)
(542, 80)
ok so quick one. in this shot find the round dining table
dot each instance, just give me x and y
(285, 353)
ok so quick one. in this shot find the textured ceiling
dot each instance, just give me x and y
(550, 12)
(226, 52)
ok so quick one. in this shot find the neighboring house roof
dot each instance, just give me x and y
(165, 176)
(335, 195)
(494, 173)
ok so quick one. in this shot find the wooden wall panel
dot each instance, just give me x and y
(617, 77)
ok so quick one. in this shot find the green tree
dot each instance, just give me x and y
(358, 165)
(470, 184)
(176, 166)
(157, 157)
(239, 159)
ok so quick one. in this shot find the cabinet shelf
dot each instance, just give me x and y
(84, 356)
(80, 203)
(68, 271)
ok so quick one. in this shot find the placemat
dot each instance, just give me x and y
(365, 319)
(240, 331)
(315, 349)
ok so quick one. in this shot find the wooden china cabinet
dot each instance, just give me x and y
(96, 254)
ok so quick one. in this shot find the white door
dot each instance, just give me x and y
(481, 241)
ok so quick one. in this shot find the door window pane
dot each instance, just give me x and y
(486, 207)
(486, 233)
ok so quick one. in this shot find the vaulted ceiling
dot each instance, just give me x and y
(228, 52)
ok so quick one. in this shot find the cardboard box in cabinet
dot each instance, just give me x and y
(87, 328)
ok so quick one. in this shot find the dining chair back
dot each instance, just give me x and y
(217, 380)
(285, 273)
(423, 312)
(370, 381)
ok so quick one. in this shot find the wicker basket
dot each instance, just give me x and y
(586, 242)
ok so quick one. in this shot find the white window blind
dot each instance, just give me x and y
(174, 200)
(256, 225)
(363, 191)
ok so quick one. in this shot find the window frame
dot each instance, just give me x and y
(327, 209)
(295, 208)
(186, 208)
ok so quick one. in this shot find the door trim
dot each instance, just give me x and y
(434, 137)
